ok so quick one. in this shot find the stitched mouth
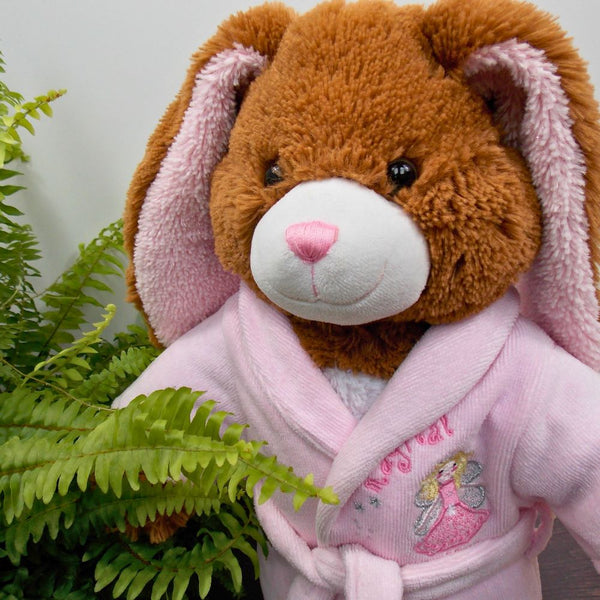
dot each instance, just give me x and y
(316, 297)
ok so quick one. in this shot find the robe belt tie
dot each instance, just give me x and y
(357, 574)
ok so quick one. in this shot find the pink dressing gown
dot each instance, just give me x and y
(493, 386)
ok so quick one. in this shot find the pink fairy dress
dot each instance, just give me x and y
(449, 521)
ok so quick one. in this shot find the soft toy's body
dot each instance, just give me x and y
(391, 174)
(493, 387)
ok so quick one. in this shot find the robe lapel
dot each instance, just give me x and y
(442, 368)
(288, 379)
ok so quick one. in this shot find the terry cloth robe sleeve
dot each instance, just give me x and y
(558, 456)
(197, 360)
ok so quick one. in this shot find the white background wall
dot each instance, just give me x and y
(122, 61)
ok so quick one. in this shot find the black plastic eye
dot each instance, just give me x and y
(402, 173)
(273, 174)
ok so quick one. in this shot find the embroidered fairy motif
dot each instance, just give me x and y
(450, 505)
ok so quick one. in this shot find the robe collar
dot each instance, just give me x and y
(445, 364)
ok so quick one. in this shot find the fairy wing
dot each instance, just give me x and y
(429, 515)
(421, 501)
(472, 495)
(472, 472)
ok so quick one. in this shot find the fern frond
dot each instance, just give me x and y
(153, 436)
(69, 295)
(19, 317)
(170, 570)
(29, 334)
(104, 385)
(77, 515)
(70, 472)
(69, 362)
(59, 513)
(7, 96)
(9, 378)
(48, 572)
(28, 413)
(23, 112)
(18, 249)
(18, 246)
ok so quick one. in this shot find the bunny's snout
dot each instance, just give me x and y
(338, 252)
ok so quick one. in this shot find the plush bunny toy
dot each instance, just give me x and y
(328, 232)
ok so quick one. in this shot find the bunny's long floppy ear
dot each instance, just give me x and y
(174, 277)
(524, 66)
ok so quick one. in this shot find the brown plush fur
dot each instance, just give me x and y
(376, 349)
(160, 529)
(455, 32)
(351, 88)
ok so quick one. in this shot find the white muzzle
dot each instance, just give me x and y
(338, 252)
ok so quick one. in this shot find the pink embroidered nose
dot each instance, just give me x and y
(311, 241)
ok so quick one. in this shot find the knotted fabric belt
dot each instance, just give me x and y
(357, 574)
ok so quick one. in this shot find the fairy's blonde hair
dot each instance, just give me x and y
(430, 488)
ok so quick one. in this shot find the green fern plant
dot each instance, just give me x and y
(80, 481)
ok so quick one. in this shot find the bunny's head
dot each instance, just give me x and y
(369, 165)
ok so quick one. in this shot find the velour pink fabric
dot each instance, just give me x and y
(558, 292)
(178, 277)
(327, 572)
(493, 386)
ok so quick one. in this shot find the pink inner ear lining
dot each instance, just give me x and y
(558, 292)
(178, 276)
